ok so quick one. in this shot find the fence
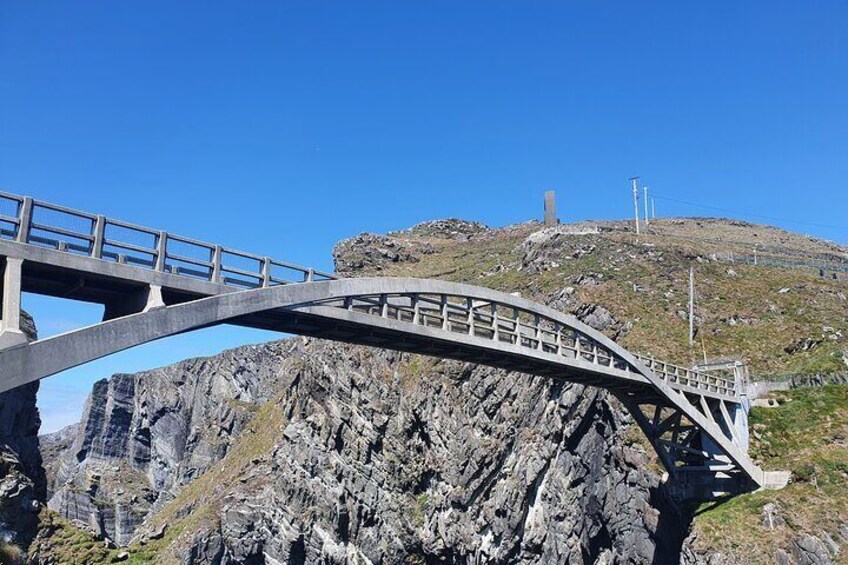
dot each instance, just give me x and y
(25, 220)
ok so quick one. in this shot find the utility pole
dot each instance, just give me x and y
(635, 181)
(646, 205)
(653, 209)
(691, 306)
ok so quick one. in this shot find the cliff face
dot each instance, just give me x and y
(143, 436)
(22, 480)
(365, 454)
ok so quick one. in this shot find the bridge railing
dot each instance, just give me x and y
(35, 222)
(507, 324)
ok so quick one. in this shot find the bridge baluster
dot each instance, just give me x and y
(99, 231)
(26, 220)
(216, 264)
(538, 331)
(161, 250)
(266, 272)
(558, 327)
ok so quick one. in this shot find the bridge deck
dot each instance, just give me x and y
(72, 254)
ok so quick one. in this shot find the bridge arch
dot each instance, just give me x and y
(687, 420)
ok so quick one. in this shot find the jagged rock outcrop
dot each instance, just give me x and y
(369, 252)
(22, 479)
(804, 549)
(362, 455)
(53, 447)
(449, 228)
(389, 458)
(143, 436)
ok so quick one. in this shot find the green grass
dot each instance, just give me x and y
(749, 292)
(69, 544)
(807, 434)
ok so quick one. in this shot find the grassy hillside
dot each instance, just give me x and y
(781, 320)
(807, 434)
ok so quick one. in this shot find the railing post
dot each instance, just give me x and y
(99, 232)
(310, 275)
(559, 338)
(216, 264)
(161, 250)
(538, 333)
(26, 220)
(444, 312)
(266, 272)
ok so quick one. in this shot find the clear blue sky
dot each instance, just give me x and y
(283, 127)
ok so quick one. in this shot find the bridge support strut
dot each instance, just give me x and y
(10, 325)
(144, 300)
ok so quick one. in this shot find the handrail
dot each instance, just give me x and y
(161, 256)
(455, 314)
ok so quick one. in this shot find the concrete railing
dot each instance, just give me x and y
(508, 324)
(35, 222)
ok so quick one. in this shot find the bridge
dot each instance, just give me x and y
(154, 284)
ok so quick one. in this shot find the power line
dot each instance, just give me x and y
(737, 212)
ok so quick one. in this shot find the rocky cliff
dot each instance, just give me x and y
(142, 437)
(371, 456)
(303, 451)
(22, 479)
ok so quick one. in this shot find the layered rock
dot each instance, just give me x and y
(308, 451)
(53, 447)
(388, 458)
(22, 479)
(143, 436)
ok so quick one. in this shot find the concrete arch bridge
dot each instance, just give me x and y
(155, 284)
